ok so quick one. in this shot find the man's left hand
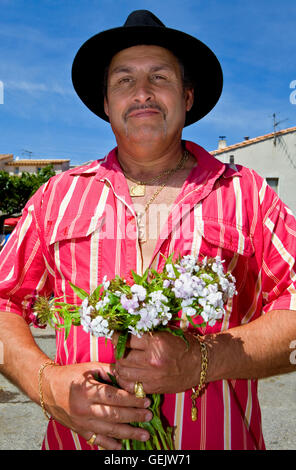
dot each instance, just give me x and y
(163, 363)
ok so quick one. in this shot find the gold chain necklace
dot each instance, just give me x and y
(140, 188)
(140, 214)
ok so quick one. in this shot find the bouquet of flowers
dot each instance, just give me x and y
(152, 303)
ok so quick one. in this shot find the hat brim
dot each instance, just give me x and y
(96, 53)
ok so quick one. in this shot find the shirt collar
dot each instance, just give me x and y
(109, 166)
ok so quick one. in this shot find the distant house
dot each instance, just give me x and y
(16, 166)
(273, 156)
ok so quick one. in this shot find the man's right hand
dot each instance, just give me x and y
(77, 400)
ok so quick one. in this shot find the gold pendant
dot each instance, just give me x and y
(141, 227)
(138, 190)
(194, 413)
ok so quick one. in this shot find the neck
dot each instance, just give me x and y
(143, 163)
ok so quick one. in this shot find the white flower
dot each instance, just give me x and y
(148, 318)
(215, 299)
(139, 291)
(189, 311)
(188, 262)
(105, 283)
(157, 297)
(102, 303)
(202, 301)
(206, 277)
(85, 309)
(100, 327)
(187, 302)
(85, 315)
(166, 283)
(135, 332)
(165, 317)
(170, 271)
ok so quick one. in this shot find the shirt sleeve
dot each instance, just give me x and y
(23, 271)
(278, 264)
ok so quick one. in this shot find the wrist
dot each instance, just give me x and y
(199, 388)
(44, 386)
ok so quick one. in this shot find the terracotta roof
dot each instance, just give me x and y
(253, 141)
(36, 162)
(6, 156)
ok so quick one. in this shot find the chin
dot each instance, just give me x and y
(146, 132)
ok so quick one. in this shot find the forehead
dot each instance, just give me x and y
(144, 55)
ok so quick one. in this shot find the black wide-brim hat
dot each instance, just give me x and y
(143, 27)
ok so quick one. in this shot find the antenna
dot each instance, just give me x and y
(275, 125)
(28, 153)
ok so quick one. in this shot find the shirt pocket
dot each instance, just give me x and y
(216, 237)
(227, 236)
(65, 229)
(235, 246)
(73, 248)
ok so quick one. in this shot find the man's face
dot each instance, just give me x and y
(146, 100)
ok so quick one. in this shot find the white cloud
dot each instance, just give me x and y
(35, 87)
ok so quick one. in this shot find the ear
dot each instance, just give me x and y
(106, 107)
(189, 98)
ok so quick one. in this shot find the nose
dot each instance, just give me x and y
(143, 91)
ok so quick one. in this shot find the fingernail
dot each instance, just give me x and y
(148, 416)
(147, 403)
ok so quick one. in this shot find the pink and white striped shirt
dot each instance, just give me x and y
(81, 225)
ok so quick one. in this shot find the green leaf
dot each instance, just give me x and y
(138, 445)
(113, 380)
(157, 424)
(97, 292)
(78, 291)
(126, 445)
(148, 426)
(145, 275)
(67, 324)
(136, 277)
(155, 397)
(120, 348)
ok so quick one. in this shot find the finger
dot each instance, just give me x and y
(133, 358)
(134, 342)
(112, 396)
(106, 443)
(135, 372)
(117, 431)
(129, 386)
(120, 415)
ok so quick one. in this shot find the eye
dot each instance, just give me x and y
(158, 77)
(124, 80)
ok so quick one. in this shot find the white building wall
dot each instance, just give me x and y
(271, 158)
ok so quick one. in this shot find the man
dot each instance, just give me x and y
(98, 221)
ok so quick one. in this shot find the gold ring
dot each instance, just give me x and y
(92, 439)
(139, 390)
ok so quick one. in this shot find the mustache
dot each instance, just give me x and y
(136, 107)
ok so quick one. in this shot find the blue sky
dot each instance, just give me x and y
(42, 116)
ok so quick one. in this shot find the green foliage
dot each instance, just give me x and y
(16, 190)
(121, 345)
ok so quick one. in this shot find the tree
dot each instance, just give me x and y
(16, 190)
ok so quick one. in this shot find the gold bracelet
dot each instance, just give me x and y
(196, 391)
(40, 373)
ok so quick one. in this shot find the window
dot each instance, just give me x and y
(273, 183)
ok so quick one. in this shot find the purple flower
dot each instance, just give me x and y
(129, 304)
(166, 283)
